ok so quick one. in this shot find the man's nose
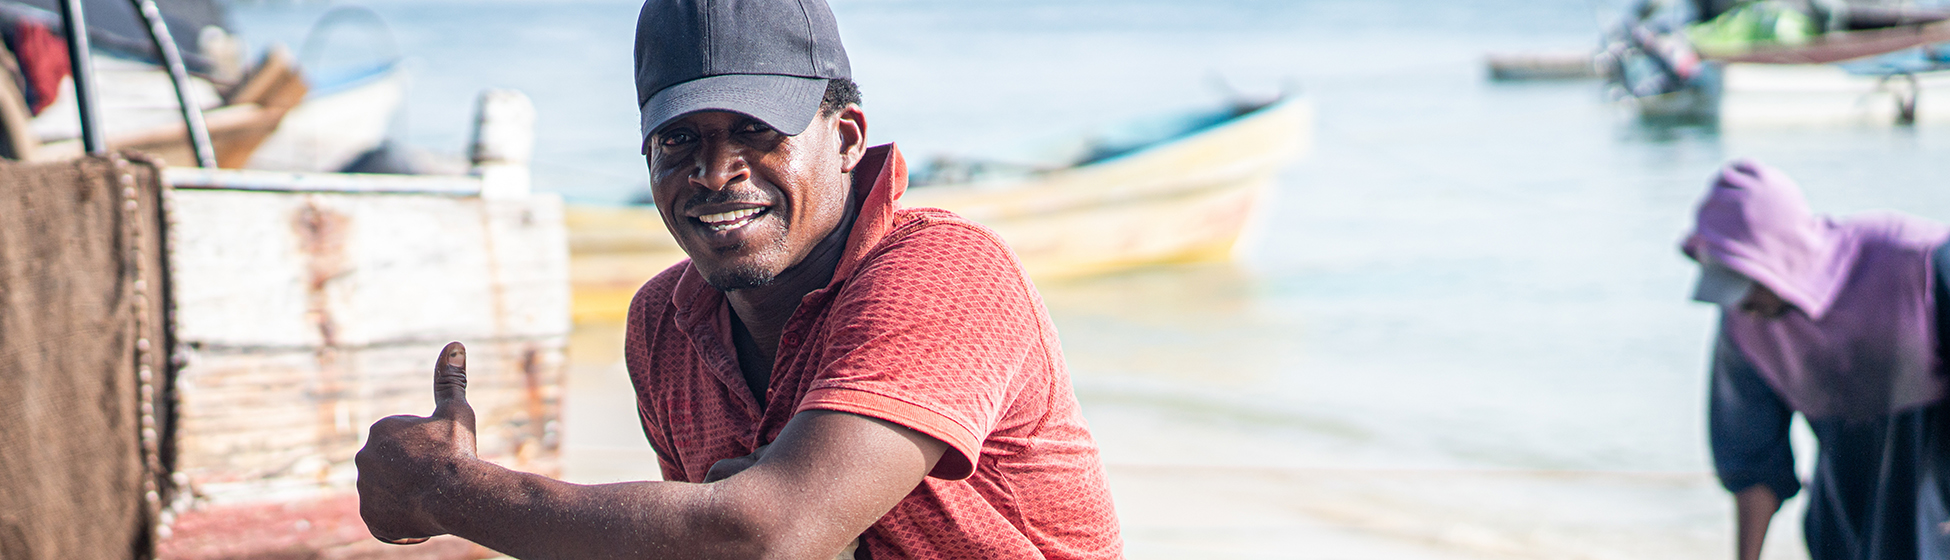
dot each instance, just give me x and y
(719, 165)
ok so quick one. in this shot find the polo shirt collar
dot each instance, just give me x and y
(879, 180)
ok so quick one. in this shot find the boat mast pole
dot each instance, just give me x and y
(173, 59)
(74, 26)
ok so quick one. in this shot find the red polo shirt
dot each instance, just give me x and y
(929, 323)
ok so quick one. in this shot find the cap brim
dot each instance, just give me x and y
(1721, 286)
(786, 103)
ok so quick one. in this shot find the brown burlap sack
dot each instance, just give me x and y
(83, 335)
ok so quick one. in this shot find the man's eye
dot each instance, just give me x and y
(755, 127)
(677, 138)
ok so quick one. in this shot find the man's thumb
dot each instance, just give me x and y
(450, 385)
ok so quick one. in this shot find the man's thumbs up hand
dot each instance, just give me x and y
(409, 461)
(450, 393)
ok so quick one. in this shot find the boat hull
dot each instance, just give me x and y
(1762, 95)
(303, 316)
(1188, 200)
(334, 126)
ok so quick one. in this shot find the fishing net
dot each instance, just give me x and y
(83, 342)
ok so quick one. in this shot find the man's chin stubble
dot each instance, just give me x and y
(745, 276)
(739, 279)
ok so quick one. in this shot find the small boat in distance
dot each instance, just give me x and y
(1873, 66)
(273, 115)
(1181, 192)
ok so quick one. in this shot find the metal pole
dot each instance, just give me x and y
(173, 59)
(74, 26)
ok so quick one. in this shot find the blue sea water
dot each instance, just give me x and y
(1462, 273)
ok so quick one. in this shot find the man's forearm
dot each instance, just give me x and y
(1754, 509)
(827, 477)
(532, 516)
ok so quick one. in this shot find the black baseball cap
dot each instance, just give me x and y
(769, 59)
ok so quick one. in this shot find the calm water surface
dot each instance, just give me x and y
(1461, 275)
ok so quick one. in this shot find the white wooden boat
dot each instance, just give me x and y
(1184, 199)
(309, 305)
(305, 306)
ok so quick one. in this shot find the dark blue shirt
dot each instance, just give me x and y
(1875, 493)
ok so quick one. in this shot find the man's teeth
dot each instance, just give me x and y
(726, 220)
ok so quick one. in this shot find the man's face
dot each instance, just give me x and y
(746, 202)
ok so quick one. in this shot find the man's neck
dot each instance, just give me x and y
(765, 309)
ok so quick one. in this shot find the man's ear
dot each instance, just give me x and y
(851, 124)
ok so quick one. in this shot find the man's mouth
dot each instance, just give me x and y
(726, 221)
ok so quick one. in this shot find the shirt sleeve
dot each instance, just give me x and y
(932, 334)
(638, 334)
(1749, 427)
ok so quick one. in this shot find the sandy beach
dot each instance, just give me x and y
(1187, 489)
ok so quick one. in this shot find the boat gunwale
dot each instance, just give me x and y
(968, 198)
(194, 178)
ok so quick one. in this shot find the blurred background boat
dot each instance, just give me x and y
(1177, 189)
(1524, 66)
(271, 115)
(1772, 64)
(1183, 190)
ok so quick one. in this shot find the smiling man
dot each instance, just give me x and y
(830, 373)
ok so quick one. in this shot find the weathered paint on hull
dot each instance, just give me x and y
(306, 316)
(322, 529)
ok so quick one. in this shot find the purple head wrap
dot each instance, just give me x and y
(1861, 338)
